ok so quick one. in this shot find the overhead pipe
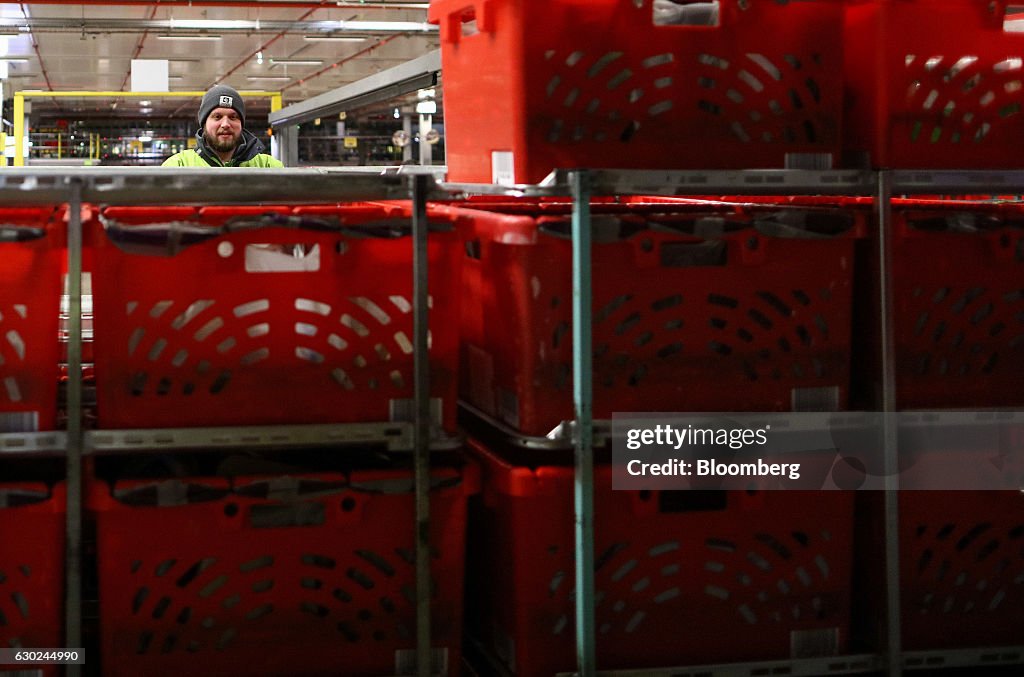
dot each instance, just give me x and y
(170, 25)
(138, 49)
(350, 57)
(301, 4)
(248, 58)
(39, 55)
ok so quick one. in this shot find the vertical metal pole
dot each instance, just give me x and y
(421, 434)
(19, 129)
(888, 359)
(582, 364)
(407, 128)
(73, 553)
(275, 138)
(287, 144)
(426, 150)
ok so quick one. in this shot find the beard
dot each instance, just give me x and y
(224, 145)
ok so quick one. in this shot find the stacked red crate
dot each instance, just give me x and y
(32, 526)
(678, 575)
(696, 307)
(306, 575)
(534, 85)
(933, 84)
(32, 246)
(257, 315)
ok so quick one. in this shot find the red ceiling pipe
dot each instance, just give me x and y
(35, 46)
(138, 49)
(348, 58)
(245, 60)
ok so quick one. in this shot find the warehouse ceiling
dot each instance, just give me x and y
(300, 48)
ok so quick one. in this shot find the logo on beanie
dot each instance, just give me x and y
(226, 101)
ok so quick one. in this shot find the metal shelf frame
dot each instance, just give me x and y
(140, 186)
(262, 186)
(582, 432)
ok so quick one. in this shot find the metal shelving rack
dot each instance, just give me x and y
(145, 186)
(583, 431)
(239, 186)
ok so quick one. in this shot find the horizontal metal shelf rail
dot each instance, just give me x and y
(809, 667)
(50, 443)
(392, 436)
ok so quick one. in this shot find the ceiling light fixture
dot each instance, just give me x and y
(333, 38)
(223, 24)
(267, 77)
(402, 5)
(14, 59)
(296, 62)
(187, 36)
(388, 26)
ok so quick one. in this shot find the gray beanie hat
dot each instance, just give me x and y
(220, 96)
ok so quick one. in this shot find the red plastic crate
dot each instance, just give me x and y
(745, 319)
(961, 563)
(959, 299)
(31, 568)
(678, 575)
(31, 252)
(958, 284)
(276, 576)
(196, 339)
(933, 84)
(534, 85)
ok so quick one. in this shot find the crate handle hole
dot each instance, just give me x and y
(686, 12)
(467, 23)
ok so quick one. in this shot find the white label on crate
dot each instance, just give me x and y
(405, 662)
(19, 422)
(814, 643)
(503, 170)
(815, 399)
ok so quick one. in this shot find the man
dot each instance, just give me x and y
(222, 140)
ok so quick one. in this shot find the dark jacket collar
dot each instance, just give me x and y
(249, 148)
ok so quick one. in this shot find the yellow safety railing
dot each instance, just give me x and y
(19, 107)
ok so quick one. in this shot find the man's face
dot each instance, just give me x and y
(223, 129)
